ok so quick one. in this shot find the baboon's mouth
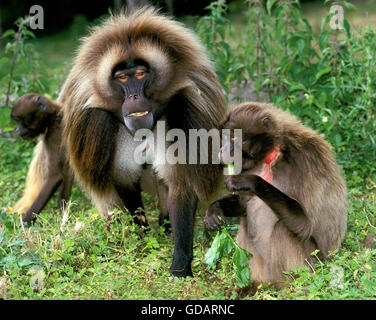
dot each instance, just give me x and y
(138, 114)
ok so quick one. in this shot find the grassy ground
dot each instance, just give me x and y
(80, 256)
(88, 258)
(101, 260)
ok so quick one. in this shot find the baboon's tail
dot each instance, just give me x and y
(34, 180)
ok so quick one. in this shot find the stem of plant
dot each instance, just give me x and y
(18, 38)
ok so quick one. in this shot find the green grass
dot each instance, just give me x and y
(95, 263)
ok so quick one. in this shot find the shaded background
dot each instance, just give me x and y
(66, 21)
(60, 14)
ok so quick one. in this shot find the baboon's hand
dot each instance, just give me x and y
(214, 217)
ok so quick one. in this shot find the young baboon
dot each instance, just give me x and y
(290, 194)
(37, 115)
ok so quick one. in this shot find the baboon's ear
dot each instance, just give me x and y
(267, 123)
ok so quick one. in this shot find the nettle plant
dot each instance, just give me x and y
(327, 79)
(214, 30)
(224, 245)
(21, 60)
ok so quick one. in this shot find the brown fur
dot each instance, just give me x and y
(34, 180)
(40, 116)
(306, 171)
(119, 38)
(100, 149)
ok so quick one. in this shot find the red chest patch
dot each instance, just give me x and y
(270, 158)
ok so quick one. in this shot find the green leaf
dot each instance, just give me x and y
(216, 250)
(308, 26)
(30, 33)
(8, 33)
(18, 243)
(4, 60)
(324, 22)
(2, 236)
(346, 25)
(323, 40)
(269, 5)
(266, 82)
(337, 139)
(297, 86)
(26, 261)
(349, 5)
(9, 260)
(240, 263)
(228, 245)
(322, 72)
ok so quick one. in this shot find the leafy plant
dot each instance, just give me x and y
(20, 51)
(224, 244)
(214, 28)
(13, 253)
(327, 79)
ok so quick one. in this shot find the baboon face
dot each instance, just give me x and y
(258, 136)
(32, 115)
(131, 80)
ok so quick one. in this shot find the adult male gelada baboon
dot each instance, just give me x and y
(137, 68)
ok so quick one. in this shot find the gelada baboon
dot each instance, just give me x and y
(138, 68)
(37, 115)
(290, 194)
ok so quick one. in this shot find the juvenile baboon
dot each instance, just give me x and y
(37, 115)
(290, 194)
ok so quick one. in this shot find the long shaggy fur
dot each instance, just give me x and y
(34, 180)
(307, 172)
(182, 72)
